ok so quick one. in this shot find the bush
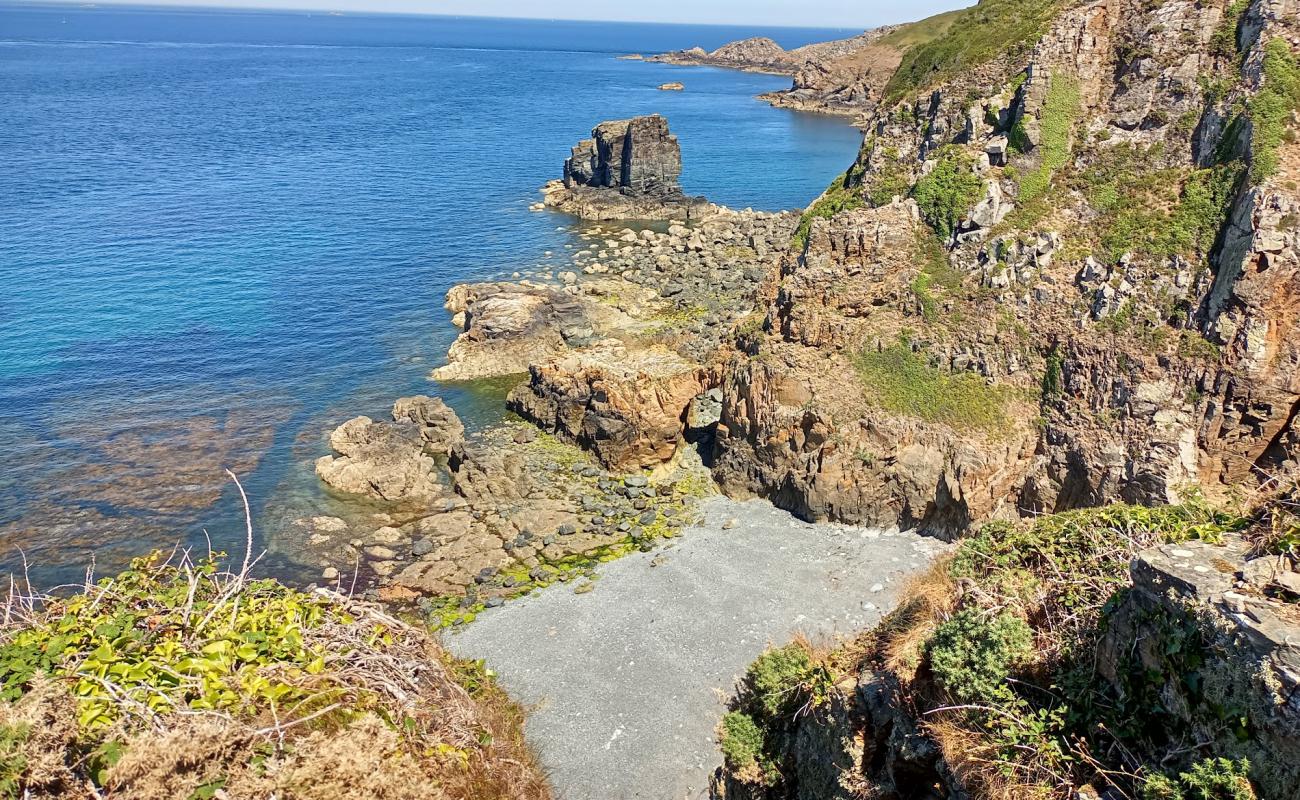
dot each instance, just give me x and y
(1060, 111)
(1271, 109)
(743, 746)
(972, 655)
(1208, 779)
(899, 380)
(841, 195)
(776, 680)
(949, 192)
(142, 660)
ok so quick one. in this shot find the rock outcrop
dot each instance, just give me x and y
(393, 460)
(1161, 350)
(757, 54)
(627, 408)
(628, 169)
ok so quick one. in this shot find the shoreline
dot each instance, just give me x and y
(628, 680)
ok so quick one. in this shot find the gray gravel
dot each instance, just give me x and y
(628, 682)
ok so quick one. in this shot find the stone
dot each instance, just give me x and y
(439, 427)
(381, 460)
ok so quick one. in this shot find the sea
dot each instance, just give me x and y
(222, 233)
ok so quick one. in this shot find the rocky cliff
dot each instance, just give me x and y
(1042, 364)
(1061, 274)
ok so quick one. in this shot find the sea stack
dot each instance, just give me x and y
(628, 169)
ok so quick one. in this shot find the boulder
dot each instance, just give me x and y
(439, 427)
(393, 460)
(380, 460)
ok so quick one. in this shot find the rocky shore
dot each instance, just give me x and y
(616, 358)
(844, 77)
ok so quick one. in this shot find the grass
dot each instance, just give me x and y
(922, 31)
(1056, 125)
(968, 39)
(901, 381)
(1154, 213)
(1270, 110)
(936, 273)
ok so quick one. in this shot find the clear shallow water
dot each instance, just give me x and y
(223, 233)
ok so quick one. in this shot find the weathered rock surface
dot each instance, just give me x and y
(628, 169)
(625, 407)
(392, 460)
(1247, 652)
(757, 54)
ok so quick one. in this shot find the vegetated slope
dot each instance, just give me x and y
(1103, 229)
(175, 679)
(849, 76)
(1064, 273)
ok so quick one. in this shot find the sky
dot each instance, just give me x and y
(801, 13)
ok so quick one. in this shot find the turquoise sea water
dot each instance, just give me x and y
(222, 233)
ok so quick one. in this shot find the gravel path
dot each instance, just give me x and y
(629, 681)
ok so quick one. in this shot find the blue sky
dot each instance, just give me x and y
(805, 13)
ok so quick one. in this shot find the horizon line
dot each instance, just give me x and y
(185, 7)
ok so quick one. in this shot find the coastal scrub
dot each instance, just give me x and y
(274, 691)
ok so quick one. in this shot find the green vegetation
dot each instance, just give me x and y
(1060, 113)
(890, 181)
(922, 31)
(241, 670)
(1225, 39)
(13, 759)
(974, 36)
(949, 192)
(163, 640)
(1053, 387)
(1270, 111)
(1208, 779)
(842, 195)
(936, 273)
(775, 679)
(780, 687)
(973, 654)
(743, 746)
(1155, 213)
(901, 381)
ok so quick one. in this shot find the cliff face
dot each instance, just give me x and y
(1063, 276)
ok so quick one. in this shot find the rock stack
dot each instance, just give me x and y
(628, 169)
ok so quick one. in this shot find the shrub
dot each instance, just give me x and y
(1224, 43)
(841, 195)
(743, 747)
(900, 381)
(972, 654)
(139, 661)
(776, 679)
(13, 761)
(1208, 779)
(1060, 111)
(949, 192)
